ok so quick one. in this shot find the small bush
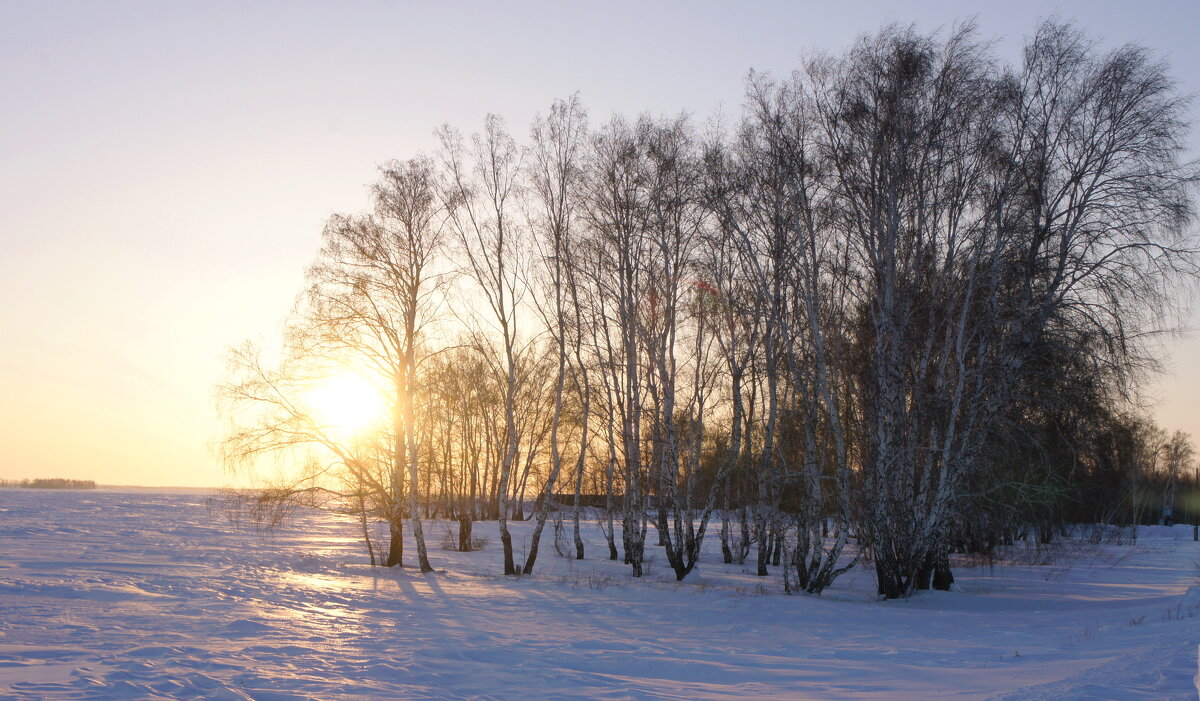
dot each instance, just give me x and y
(563, 548)
(450, 541)
(593, 580)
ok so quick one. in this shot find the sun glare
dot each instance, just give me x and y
(346, 404)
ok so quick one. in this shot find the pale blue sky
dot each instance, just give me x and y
(166, 167)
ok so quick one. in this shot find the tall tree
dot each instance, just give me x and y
(480, 187)
(374, 288)
(555, 176)
(616, 202)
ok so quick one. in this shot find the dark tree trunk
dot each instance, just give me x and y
(924, 574)
(531, 557)
(743, 550)
(506, 542)
(362, 516)
(934, 572)
(764, 547)
(890, 584)
(464, 532)
(943, 578)
(575, 509)
(726, 553)
(395, 554)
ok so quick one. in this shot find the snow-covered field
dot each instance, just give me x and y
(146, 594)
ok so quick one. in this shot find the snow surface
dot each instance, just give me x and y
(149, 594)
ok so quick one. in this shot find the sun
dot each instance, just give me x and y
(346, 404)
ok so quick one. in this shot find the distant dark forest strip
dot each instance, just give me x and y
(54, 483)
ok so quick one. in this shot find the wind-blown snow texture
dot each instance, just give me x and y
(145, 594)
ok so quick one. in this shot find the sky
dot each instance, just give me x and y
(166, 169)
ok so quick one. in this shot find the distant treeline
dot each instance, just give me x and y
(54, 483)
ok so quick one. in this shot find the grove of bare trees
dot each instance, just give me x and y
(900, 309)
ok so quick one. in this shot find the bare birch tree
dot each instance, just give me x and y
(480, 187)
(555, 182)
(616, 205)
(374, 288)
